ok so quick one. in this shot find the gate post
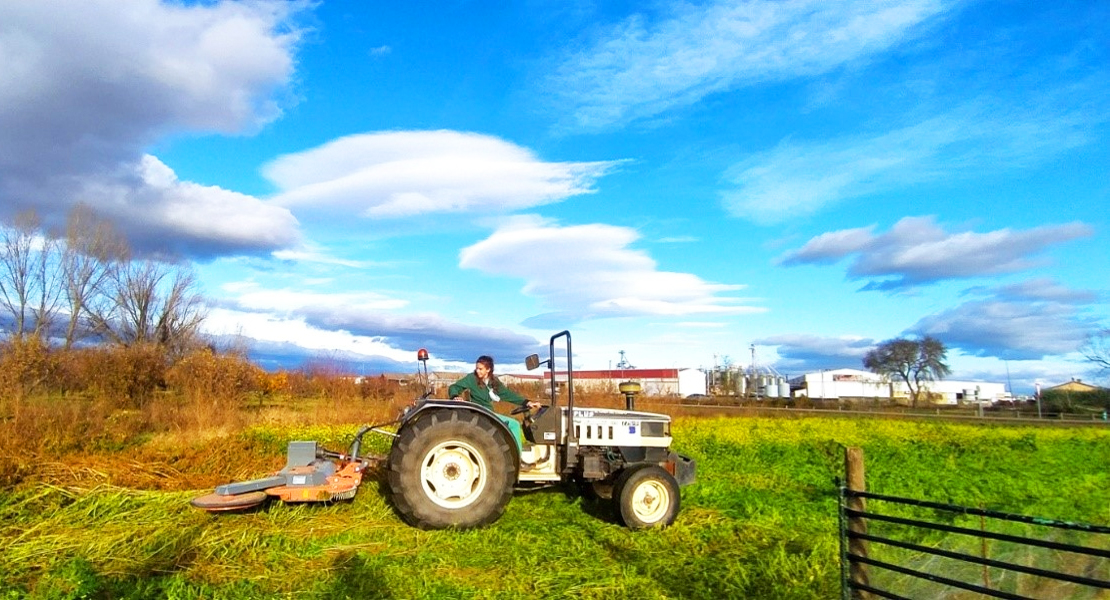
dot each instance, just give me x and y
(856, 482)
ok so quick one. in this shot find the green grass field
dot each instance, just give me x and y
(761, 522)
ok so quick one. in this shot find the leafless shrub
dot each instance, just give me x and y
(125, 377)
(27, 367)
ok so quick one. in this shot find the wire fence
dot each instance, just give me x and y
(724, 407)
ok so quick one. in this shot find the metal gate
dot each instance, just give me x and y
(856, 544)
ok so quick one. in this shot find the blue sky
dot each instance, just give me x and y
(681, 181)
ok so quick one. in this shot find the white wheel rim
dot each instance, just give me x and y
(453, 474)
(650, 501)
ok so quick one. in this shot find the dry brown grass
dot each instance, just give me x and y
(165, 446)
(137, 418)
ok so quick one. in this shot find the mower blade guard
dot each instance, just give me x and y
(254, 485)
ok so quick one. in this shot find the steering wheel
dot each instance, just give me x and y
(527, 411)
(523, 408)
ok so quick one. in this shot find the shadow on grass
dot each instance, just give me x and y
(356, 576)
(594, 506)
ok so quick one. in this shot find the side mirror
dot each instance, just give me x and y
(532, 361)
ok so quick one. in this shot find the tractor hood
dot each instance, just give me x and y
(616, 413)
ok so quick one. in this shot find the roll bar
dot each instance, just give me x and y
(533, 361)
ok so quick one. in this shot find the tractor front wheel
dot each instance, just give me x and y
(451, 468)
(646, 496)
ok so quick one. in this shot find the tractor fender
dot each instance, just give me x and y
(428, 406)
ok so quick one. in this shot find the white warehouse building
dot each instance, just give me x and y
(853, 384)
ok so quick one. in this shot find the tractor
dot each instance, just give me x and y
(454, 464)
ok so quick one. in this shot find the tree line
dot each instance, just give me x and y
(83, 284)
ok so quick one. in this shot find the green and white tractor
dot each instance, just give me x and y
(454, 464)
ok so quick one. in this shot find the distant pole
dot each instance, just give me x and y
(1037, 395)
(854, 474)
(1009, 386)
(715, 374)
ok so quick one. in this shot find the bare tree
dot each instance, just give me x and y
(46, 286)
(15, 276)
(29, 289)
(123, 300)
(182, 312)
(150, 302)
(913, 361)
(1097, 349)
(90, 252)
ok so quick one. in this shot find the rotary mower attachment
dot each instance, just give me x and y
(311, 474)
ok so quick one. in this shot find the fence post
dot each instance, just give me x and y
(854, 474)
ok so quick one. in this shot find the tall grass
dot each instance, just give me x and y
(69, 411)
(760, 522)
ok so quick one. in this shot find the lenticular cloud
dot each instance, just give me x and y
(407, 173)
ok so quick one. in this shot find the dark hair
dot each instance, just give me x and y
(495, 383)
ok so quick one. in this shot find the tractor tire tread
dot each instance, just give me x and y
(624, 488)
(404, 466)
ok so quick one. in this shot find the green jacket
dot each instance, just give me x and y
(480, 393)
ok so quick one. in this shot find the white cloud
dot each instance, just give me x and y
(1026, 320)
(1047, 289)
(169, 215)
(405, 173)
(808, 352)
(638, 69)
(1009, 329)
(85, 87)
(589, 271)
(266, 329)
(917, 251)
(831, 246)
(799, 179)
(250, 296)
(311, 254)
(356, 321)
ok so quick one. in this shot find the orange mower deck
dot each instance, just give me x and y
(311, 474)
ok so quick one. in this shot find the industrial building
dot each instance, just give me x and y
(653, 382)
(853, 384)
(830, 384)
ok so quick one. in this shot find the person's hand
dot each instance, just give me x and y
(532, 404)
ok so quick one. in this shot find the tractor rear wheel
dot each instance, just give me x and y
(646, 496)
(451, 468)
